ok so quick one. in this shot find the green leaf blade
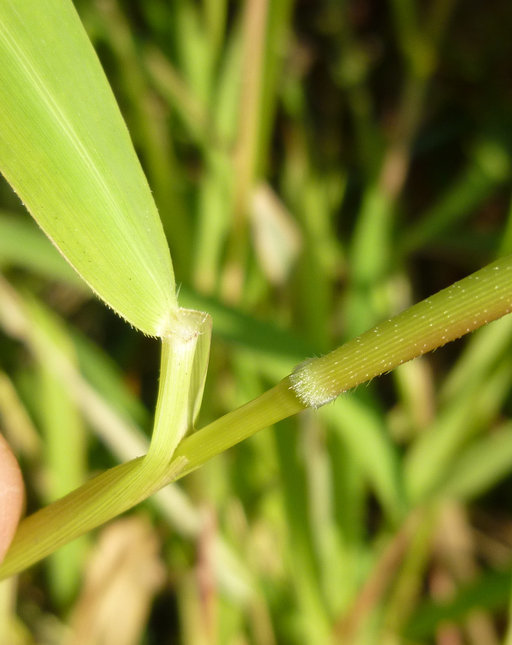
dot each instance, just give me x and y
(66, 151)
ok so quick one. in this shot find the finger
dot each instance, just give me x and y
(11, 496)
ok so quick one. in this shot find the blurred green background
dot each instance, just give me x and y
(318, 166)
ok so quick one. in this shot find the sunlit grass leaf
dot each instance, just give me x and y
(65, 454)
(65, 150)
(23, 245)
(482, 465)
(489, 591)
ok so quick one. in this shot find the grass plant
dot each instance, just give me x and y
(359, 518)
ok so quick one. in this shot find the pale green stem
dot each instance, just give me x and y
(182, 372)
(124, 486)
(461, 308)
(99, 500)
(183, 368)
(478, 299)
(274, 405)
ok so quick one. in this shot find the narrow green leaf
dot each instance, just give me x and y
(23, 245)
(480, 466)
(490, 591)
(65, 454)
(66, 151)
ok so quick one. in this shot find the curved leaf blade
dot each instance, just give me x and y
(66, 151)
